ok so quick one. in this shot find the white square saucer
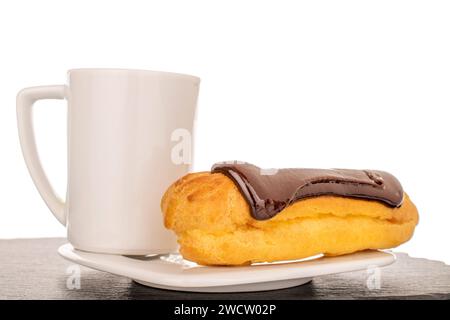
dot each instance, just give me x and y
(172, 272)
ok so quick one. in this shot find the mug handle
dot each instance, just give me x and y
(24, 102)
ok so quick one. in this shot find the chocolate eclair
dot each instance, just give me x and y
(239, 213)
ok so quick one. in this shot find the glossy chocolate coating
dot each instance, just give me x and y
(270, 191)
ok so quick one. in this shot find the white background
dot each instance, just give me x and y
(355, 84)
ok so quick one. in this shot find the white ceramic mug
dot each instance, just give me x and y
(120, 146)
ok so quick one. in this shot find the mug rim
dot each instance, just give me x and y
(154, 72)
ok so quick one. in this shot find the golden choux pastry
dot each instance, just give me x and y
(216, 222)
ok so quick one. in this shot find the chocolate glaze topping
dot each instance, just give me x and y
(269, 191)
